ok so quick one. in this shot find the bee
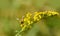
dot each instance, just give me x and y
(22, 22)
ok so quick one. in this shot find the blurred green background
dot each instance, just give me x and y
(11, 9)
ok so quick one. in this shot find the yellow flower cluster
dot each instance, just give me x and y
(49, 13)
(27, 21)
(37, 16)
(28, 18)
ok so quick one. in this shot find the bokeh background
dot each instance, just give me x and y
(12, 9)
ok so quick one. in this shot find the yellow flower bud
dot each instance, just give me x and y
(25, 19)
(55, 13)
(22, 25)
(29, 22)
(52, 13)
(28, 14)
(49, 13)
(40, 16)
(35, 18)
(38, 19)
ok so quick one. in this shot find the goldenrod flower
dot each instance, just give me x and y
(36, 19)
(49, 13)
(22, 25)
(37, 16)
(40, 16)
(25, 19)
(29, 22)
(55, 13)
(28, 14)
(23, 28)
